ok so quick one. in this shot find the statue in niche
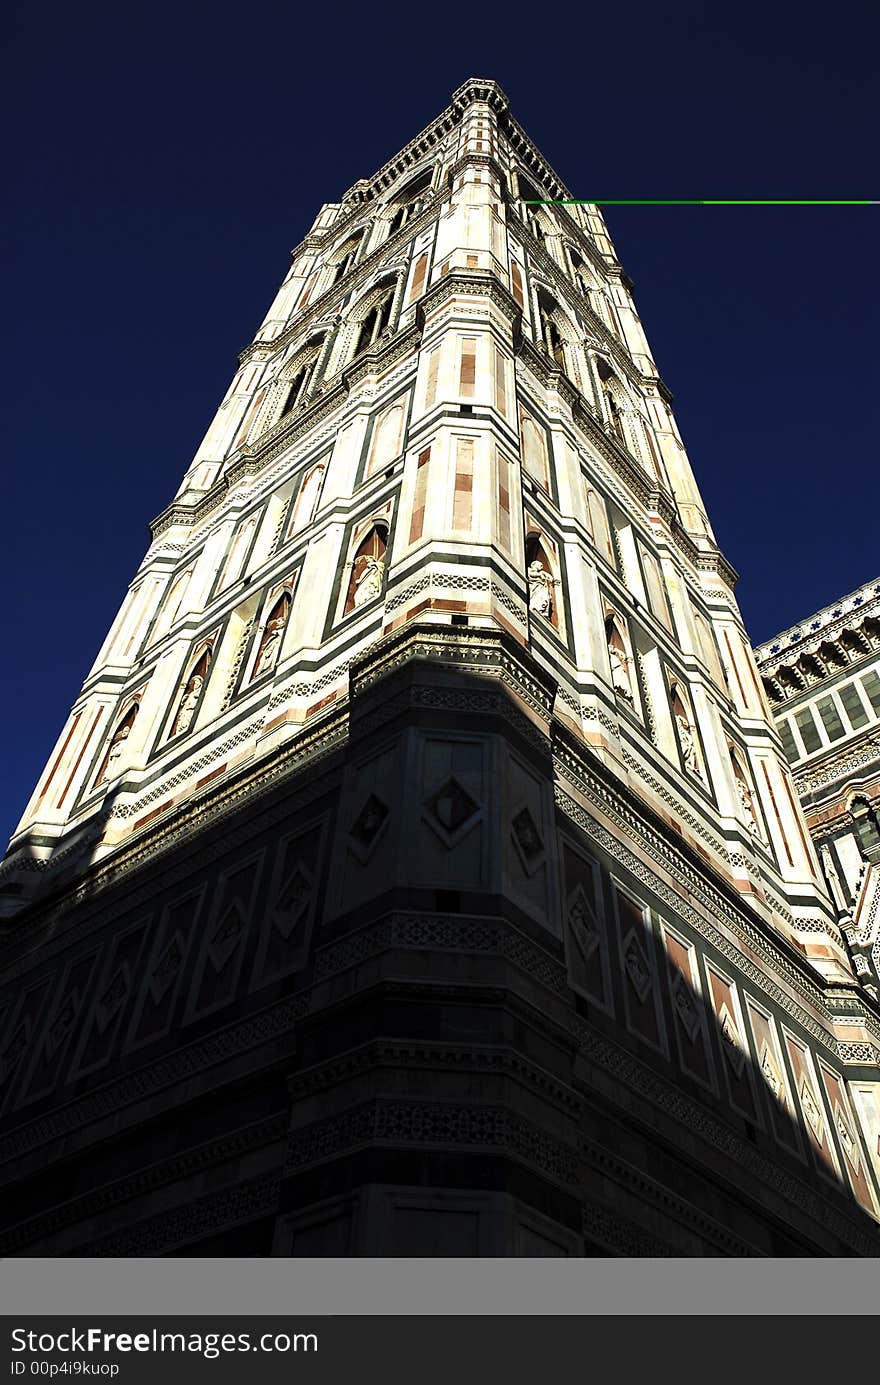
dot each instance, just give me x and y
(368, 585)
(270, 647)
(188, 704)
(746, 803)
(112, 763)
(620, 676)
(688, 741)
(116, 750)
(541, 584)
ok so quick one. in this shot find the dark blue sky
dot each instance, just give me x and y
(162, 160)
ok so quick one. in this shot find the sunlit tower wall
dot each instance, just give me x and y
(422, 829)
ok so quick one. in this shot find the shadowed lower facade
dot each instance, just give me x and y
(419, 871)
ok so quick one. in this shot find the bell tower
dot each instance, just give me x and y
(424, 804)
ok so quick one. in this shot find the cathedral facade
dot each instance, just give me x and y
(420, 870)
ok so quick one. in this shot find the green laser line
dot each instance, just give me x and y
(700, 202)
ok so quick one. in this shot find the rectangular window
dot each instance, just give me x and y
(735, 668)
(418, 283)
(463, 496)
(468, 366)
(853, 706)
(500, 393)
(82, 751)
(791, 751)
(307, 291)
(58, 758)
(828, 712)
(503, 502)
(516, 285)
(533, 440)
(599, 526)
(144, 593)
(249, 419)
(417, 523)
(656, 588)
(807, 727)
(776, 815)
(708, 648)
(433, 367)
(871, 685)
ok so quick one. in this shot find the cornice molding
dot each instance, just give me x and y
(849, 613)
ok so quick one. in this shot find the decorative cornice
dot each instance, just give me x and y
(838, 770)
(471, 283)
(161, 1233)
(826, 625)
(157, 1176)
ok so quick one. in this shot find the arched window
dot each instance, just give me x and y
(273, 632)
(867, 830)
(112, 761)
(543, 598)
(613, 393)
(191, 694)
(580, 273)
(367, 579)
(344, 257)
(409, 202)
(620, 659)
(374, 323)
(556, 335)
(301, 379)
(551, 337)
(616, 415)
(536, 218)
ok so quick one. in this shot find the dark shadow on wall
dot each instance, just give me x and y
(743, 1123)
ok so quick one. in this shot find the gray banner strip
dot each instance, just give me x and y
(396, 1287)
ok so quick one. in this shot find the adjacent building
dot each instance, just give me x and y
(823, 682)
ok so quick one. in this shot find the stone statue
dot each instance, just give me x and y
(688, 743)
(114, 755)
(188, 704)
(748, 807)
(540, 589)
(619, 671)
(116, 750)
(369, 585)
(271, 644)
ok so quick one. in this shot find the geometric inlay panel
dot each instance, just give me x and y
(637, 967)
(451, 811)
(368, 826)
(527, 840)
